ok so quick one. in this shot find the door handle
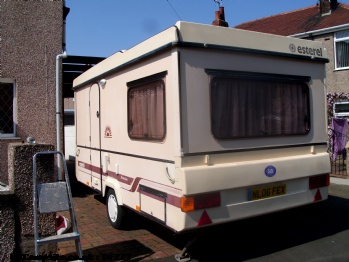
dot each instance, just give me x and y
(97, 114)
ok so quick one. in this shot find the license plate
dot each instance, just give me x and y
(266, 192)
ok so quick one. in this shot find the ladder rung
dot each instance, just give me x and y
(58, 238)
(51, 198)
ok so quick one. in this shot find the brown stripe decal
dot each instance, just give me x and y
(173, 200)
(90, 167)
(161, 199)
(121, 178)
(170, 199)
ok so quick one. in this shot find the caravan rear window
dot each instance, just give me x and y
(146, 108)
(258, 105)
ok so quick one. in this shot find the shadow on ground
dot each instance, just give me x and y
(242, 240)
(261, 236)
(256, 237)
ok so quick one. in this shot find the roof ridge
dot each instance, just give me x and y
(346, 6)
(280, 14)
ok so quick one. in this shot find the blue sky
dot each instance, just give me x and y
(102, 27)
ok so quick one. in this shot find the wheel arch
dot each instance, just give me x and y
(112, 183)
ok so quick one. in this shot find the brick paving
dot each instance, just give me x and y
(145, 240)
(142, 239)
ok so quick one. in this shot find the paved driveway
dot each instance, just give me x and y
(142, 240)
(314, 233)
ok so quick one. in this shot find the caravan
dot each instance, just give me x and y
(201, 125)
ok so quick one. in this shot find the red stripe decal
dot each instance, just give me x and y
(170, 199)
(121, 178)
(161, 199)
(173, 200)
(89, 167)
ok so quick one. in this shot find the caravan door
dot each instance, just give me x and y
(95, 136)
(87, 119)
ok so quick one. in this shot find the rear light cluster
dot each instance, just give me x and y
(319, 181)
(196, 202)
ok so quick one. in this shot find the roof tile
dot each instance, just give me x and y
(298, 21)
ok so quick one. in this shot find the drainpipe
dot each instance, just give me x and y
(58, 93)
(58, 109)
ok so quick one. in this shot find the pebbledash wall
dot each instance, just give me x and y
(337, 81)
(31, 38)
(16, 202)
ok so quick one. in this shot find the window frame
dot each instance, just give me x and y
(338, 39)
(14, 106)
(302, 80)
(143, 83)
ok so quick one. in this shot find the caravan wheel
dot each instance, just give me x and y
(115, 212)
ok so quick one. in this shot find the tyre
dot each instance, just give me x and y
(115, 212)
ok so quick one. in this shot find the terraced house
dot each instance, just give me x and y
(327, 22)
(35, 77)
(31, 39)
(36, 74)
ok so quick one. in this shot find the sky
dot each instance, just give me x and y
(101, 28)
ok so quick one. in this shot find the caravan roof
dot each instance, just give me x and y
(205, 36)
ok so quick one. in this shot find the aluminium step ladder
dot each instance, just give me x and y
(51, 198)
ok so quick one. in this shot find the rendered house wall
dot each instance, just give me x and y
(31, 38)
(336, 80)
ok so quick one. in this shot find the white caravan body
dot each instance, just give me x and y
(201, 125)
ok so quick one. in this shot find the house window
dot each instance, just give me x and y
(341, 41)
(258, 105)
(7, 108)
(146, 108)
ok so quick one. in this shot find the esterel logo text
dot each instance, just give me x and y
(305, 50)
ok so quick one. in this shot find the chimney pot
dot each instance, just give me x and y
(218, 15)
(220, 18)
(221, 11)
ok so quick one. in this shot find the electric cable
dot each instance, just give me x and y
(174, 10)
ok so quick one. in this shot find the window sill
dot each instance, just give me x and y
(10, 138)
(341, 69)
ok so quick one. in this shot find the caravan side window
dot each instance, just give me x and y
(258, 105)
(146, 108)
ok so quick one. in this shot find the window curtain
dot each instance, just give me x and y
(342, 49)
(146, 111)
(248, 108)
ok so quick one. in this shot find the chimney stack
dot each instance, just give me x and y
(326, 6)
(220, 18)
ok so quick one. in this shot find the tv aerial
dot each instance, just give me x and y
(219, 2)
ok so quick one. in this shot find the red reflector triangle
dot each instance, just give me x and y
(317, 196)
(204, 219)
